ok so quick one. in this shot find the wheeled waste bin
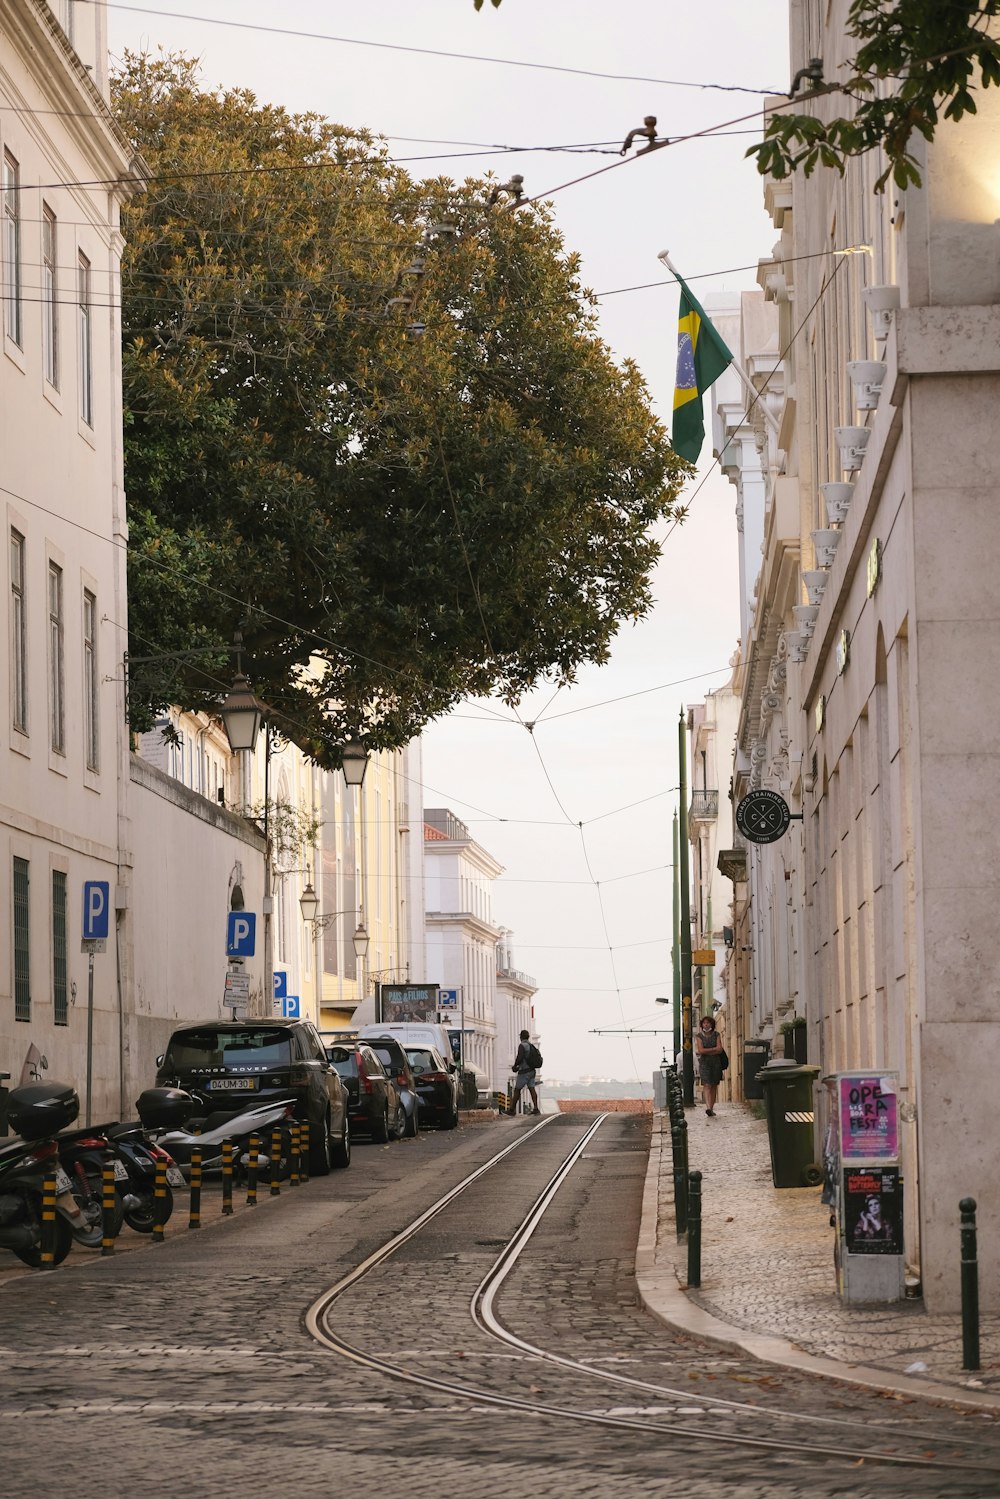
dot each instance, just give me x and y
(755, 1056)
(788, 1095)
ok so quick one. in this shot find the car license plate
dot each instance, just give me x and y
(121, 1172)
(63, 1183)
(233, 1084)
(175, 1177)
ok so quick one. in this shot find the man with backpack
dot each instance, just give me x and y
(526, 1064)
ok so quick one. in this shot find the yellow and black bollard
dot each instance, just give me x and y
(304, 1160)
(275, 1162)
(48, 1245)
(252, 1166)
(194, 1216)
(293, 1179)
(108, 1205)
(159, 1200)
(227, 1179)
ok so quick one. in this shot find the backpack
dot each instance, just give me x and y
(534, 1056)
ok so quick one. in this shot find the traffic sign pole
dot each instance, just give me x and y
(90, 1034)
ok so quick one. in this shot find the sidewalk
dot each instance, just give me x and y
(767, 1278)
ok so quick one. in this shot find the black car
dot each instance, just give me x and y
(228, 1064)
(437, 1086)
(373, 1100)
(390, 1053)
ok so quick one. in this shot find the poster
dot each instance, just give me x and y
(872, 1210)
(869, 1121)
(403, 1003)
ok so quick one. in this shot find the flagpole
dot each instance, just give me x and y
(737, 369)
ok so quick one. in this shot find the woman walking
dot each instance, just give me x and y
(708, 1044)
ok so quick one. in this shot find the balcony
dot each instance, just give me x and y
(704, 806)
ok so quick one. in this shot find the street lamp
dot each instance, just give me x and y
(242, 715)
(309, 906)
(354, 760)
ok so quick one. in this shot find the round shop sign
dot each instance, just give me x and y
(763, 816)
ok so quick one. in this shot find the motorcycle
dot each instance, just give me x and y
(37, 1112)
(163, 1110)
(83, 1154)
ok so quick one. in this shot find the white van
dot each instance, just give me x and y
(413, 1033)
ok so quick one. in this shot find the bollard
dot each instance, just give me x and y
(252, 1165)
(48, 1244)
(304, 1162)
(227, 1178)
(109, 1203)
(275, 1162)
(293, 1179)
(970, 1285)
(159, 1200)
(194, 1216)
(680, 1177)
(694, 1229)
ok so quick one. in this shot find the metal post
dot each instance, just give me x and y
(194, 1215)
(293, 1179)
(680, 1178)
(48, 1244)
(304, 1159)
(675, 952)
(694, 1229)
(159, 1201)
(275, 1162)
(685, 932)
(268, 949)
(227, 1179)
(970, 1285)
(252, 1165)
(90, 1036)
(108, 1205)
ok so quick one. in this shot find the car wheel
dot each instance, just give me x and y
(399, 1123)
(410, 1127)
(319, 1148)
(380, 1128)
(342, 1149)
(451, 1120)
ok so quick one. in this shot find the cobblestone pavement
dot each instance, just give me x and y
(185, 1367)
(768, 1276)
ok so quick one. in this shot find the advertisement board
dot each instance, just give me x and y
(869, 1117)
(872, 1210)
(401, 1003)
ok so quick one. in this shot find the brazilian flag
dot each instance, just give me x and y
(701, 358)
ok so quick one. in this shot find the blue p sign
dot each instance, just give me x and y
(96, 905)
(280, 983)
(241, 933)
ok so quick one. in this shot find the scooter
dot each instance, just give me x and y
(37, 1112)
(83, 1154)
(159, 1108)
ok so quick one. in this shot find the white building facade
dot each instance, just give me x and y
(868, 694)
(64, 171)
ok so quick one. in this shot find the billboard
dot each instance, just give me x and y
(400, 1003)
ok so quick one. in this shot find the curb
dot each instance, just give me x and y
(664, 1298)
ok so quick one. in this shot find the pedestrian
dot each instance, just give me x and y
(525, 1064)
(708, 1044)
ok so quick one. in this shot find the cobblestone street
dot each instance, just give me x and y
(188, 1362)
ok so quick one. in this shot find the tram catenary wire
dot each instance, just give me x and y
(316, 1324)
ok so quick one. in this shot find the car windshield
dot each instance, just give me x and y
(386, 1057)
(213, 1046)
(422, 1061)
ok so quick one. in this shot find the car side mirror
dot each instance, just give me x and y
(160, 1060)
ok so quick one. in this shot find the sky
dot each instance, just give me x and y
(590, 906)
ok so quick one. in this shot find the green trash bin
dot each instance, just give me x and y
(788, 1095)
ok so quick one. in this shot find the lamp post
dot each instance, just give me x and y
(309, 906)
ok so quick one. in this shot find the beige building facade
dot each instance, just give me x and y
(867, 682)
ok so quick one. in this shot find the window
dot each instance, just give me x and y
(57, 704)
(90, 693)
(18, 636)
(60, 1003)
(86, 336)
(12, 248)
(22, 986)
(50, 303)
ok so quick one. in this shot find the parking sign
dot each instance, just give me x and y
(96, 914)
(241, 934)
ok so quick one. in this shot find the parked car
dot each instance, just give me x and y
(437, 1085)
(228, 1063)
(394, 1059)
(373, 1101)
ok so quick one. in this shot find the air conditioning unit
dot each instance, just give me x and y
(867, 376)
(852, 442)
(837, 498)
(805, 617)
(815, 581)
(797, 645)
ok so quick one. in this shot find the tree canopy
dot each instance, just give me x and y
(368, 422)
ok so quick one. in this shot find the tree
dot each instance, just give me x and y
(931, 53)
(395, 518)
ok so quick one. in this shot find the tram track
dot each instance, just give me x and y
(484, 1315)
